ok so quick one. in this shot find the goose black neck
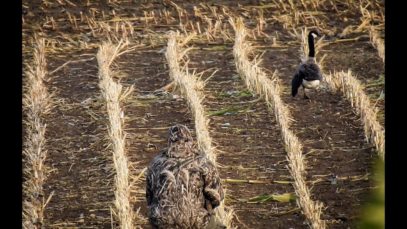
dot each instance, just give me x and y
(311, 46)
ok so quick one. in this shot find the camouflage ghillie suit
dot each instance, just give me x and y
(183, 186)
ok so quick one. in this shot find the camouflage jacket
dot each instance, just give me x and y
(182, 191)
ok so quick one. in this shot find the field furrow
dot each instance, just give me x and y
(149, 114)
(241, 128)
(81, 166)
(338, 157)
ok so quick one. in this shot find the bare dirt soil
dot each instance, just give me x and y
(249, 142)
(81, 168)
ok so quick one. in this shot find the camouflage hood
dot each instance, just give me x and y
(180, 142)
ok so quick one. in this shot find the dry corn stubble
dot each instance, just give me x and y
(36, 104)
(114, 94)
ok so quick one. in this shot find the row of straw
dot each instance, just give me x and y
(257, 81)
(191, 88)
(347, 83)
(36, 104)
(114, 94)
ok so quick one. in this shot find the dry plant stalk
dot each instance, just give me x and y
(257, 81)
(36, 104)
(116, 30)
(191, 88)
(367, 24)
(377, 42)
(114, 94)
(353, 90)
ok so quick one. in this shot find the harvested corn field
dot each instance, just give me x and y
(105, 80)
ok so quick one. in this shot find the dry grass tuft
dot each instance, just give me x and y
(257, 81)
(373, 21)
(191, 87)
(377, 42)
(115, 30)
(36, 104)
(114, 94)
(353, 90)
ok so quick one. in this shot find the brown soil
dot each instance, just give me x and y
(82, 172)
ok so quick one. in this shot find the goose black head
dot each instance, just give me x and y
(179, 134)
(313, 33)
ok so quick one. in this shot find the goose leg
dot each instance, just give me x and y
(305, 96)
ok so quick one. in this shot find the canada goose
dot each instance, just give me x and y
(183, 186)
(308, 74)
